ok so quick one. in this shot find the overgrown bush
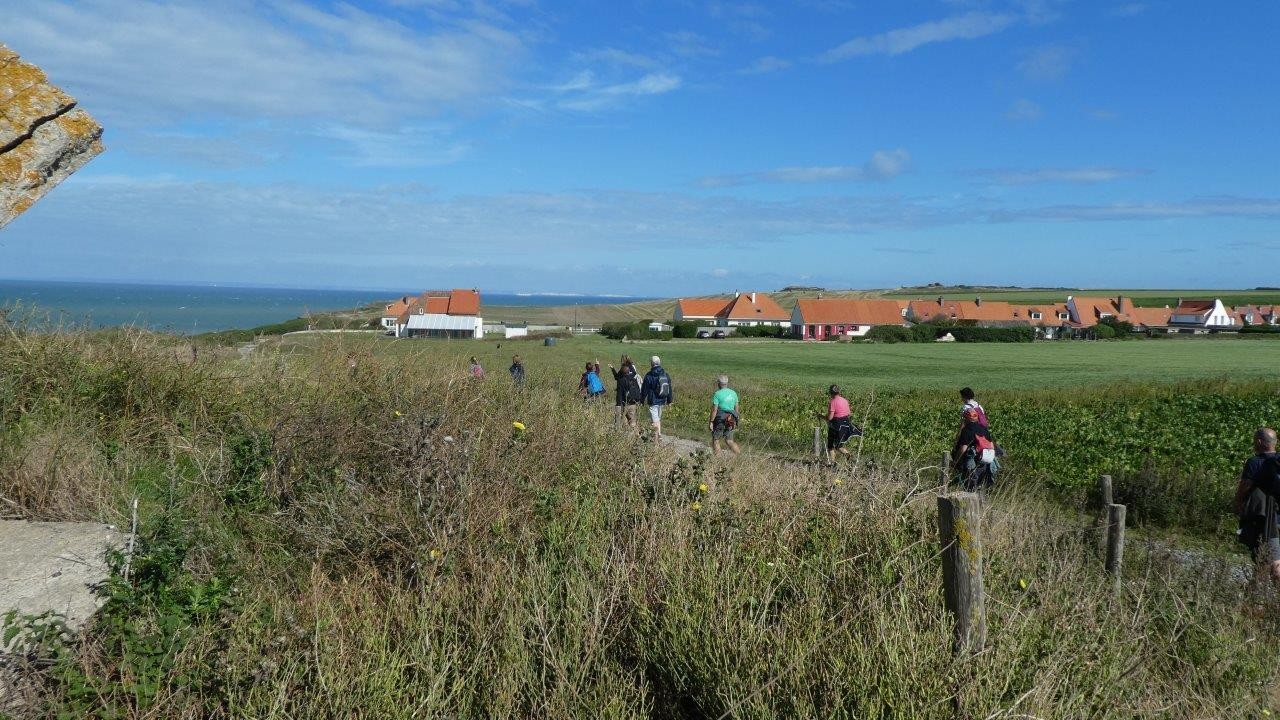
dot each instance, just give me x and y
(991, 334)
(633, 331)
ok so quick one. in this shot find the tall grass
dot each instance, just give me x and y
(322, 540)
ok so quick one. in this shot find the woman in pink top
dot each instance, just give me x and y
(839, 427)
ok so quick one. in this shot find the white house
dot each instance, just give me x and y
(1201, 316)
(443, 313)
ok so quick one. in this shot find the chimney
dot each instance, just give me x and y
(977, 301)
(753, 298)
(736, 294)
(939, 300)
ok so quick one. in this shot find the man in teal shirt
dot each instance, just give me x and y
(725, 413)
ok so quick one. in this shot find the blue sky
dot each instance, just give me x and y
(657, 148)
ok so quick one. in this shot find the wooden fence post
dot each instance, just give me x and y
(1115, 542)
(1104, 487)
(817, 442)
(944, 474)
(960, 532)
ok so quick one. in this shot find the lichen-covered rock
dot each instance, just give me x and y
(44, 137)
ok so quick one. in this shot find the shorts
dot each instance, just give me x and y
(655, 413)
(839, 431)
(1251, 534)
(720, 429)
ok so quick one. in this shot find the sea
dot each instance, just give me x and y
(193, 309)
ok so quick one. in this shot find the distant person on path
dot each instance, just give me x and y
(475, 370)
(971, 403)
(974, 457)
(590, 386)
(1256, 502)
(656, 392)
(627, 395)
(725, 414)
(517, 372)
(840, 427)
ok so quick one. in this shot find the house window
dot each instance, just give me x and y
(813, 330)
(1036, 316)
(828, 329)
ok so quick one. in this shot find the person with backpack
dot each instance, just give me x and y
(974, 457)
(1257, 496)
(517, 372)
(656, 392)
(591, 387)
(475, 370)
(971, 403)
(627, 395)
(840, 427)
(725, 415)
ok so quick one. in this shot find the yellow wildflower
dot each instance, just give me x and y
(435, 554)
(1022, 583)
(518, 425)
(702, 487)
(398, 413)
(837, 482)
(696, 506)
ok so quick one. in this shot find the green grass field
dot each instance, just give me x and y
(756, 365)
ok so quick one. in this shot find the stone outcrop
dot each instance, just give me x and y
(44, 136)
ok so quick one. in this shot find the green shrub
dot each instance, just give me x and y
(986, 334)
(1103, 331)
(686, 329)
(891, 334)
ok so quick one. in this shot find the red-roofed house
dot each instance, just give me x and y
(828, 318)
(742, 309)
(1198, 316)
(1258, 314)
(437, 313)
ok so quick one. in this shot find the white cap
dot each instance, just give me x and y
(655, 360)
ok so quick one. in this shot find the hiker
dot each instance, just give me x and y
(656, 392)
(627, 395)
(517, 372)
(475, 370)
(726, 412)
(1255, 503)
(590, 386)
(974, 455)
(840, 427)
(971, 402)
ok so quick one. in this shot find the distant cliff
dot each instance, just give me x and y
(44, 137)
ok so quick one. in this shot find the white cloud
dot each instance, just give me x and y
(411, 146)
(1050, 62)
(902, 40)
(720, 272)
(766, 64)
(146, 62)
(1083, 175)
(883, 165)
(1132, 9)
(589, 97)
(1023, 111)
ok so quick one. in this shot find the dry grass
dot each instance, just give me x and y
(379, 541)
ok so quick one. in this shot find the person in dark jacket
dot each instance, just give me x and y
(1255, 503)
(976, 468)
(656, 392)
(627, 394)
(517, 372)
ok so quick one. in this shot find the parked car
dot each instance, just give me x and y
(719, 334)
(704, 334)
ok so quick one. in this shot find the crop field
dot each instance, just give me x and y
(765, 364)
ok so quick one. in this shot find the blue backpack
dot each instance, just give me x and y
(595, 385)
